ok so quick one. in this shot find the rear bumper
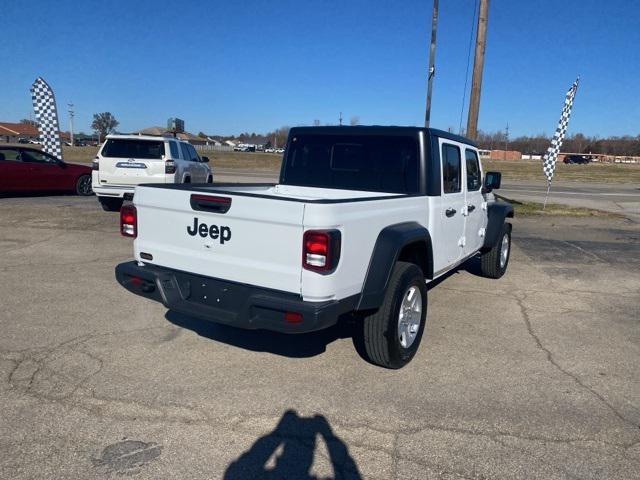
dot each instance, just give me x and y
(235, 304)
(116, 191)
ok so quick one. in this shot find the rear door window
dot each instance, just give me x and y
(131, 148)
(8, 154)
(451, 169)
(173, 146)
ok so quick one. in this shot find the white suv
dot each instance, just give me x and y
(125, 161)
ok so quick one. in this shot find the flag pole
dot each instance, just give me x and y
(546, 196)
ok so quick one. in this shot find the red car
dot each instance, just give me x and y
(25, 169)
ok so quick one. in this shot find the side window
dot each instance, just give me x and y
(173, 148)
(33, 156)
(194, 154)
(473, 170)
(8, 154)
(451, 169)
(185, 152)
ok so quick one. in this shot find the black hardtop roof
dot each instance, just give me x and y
(381, 130)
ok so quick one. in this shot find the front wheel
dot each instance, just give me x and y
(210, 179)
(391, 335)
(83, 186)
(493, 263)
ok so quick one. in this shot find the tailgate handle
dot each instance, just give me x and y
(210, 203)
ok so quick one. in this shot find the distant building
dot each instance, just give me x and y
(505, 155)
(14, 132)
(163, 132)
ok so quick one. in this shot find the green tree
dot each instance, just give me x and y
(104, 123)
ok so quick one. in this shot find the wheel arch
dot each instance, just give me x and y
(497, 213)
(409, 242)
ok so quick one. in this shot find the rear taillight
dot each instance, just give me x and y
(95, 165)
(169, 166)
(129, 221)
(320, 250)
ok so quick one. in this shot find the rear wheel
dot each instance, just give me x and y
(209, 179)
(391, 336)
(493, 263)
(110, 204)
(83, 186)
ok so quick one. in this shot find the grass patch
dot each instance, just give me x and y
(592, 172)
(511, 170)
(526, 209)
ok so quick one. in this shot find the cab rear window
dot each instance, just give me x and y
(355, 162)
(125, 148)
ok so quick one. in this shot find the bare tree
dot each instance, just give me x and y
(26, 121)
(354, 120)
(316, 123)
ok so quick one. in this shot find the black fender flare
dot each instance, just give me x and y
(497, 213)
(389, 244)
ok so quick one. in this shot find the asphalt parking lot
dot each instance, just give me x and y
(534, 376)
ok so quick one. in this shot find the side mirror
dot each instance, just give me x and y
(205, 159)
(492, 181)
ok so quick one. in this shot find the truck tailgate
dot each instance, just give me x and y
(256, 241)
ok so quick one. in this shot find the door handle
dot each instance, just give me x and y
(471, 208)
(450, 212)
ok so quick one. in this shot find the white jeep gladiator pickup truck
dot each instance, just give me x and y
(360, 220)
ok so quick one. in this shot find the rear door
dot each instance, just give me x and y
(250, 240)
(126, 161)
(452, 220)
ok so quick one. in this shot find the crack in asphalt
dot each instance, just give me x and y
(527, 320)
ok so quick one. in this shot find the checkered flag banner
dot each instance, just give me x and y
(44, 106)
(551, 157)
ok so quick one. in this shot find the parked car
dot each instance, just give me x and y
(269, 150)
(125, 161)
(577, 159)
(24, 169)
(360, 219)
(23, 140)
(34, 142)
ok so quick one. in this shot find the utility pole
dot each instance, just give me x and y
(340, 119)
(71, 114)
(506, 140)
(432, 59)
(478, 66)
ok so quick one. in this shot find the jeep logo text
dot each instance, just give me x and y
(217, 233)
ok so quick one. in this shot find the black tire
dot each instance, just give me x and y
(187, 179)
(491, 265)
(379, 331)
(111, 204)
(83, 186)
(209, 179)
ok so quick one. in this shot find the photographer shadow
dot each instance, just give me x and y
(288, 452)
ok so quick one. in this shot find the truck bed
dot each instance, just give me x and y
(284, 192)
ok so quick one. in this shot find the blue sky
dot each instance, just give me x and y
(227, 67)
